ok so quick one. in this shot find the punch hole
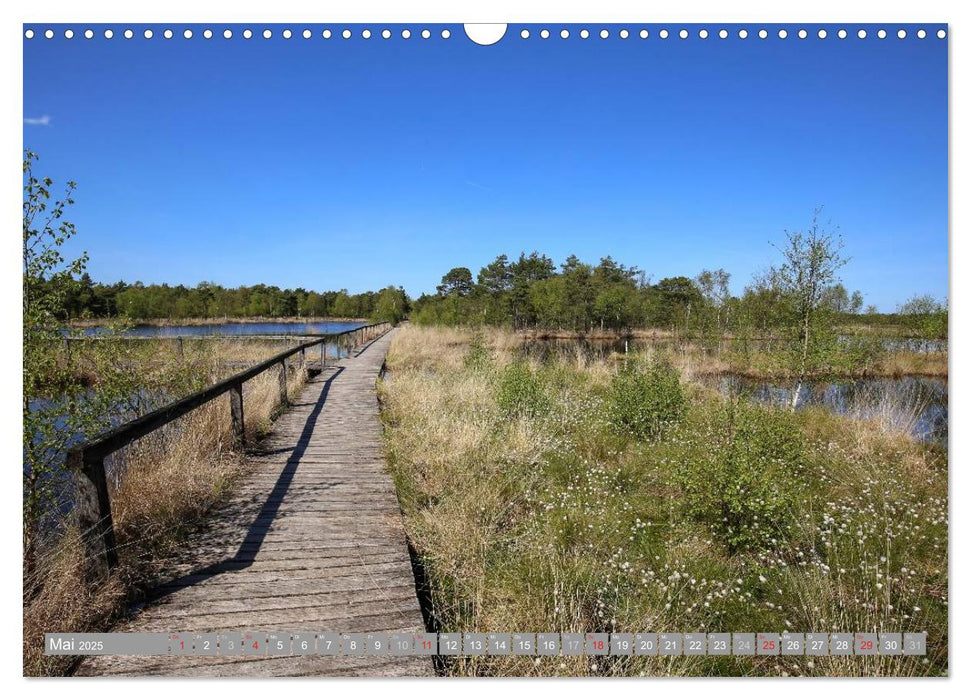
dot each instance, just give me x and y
(882, 34)
(446, 34)
(841, 33)
(544, 34)
(803, 33)
(267, 33)
(109, 34)
(287, 34)
(228, 34)
(703, 34)
(307, 34)
(405, 33)
(624, 33)
(783, 33)
(565, 34)
(68, 33)
(584, 33)
(643, 34)
(88, 34)
(167, 33)
(326, 34)
(941, 34)
(902, 34)
(346, 33)
(366, 34)
(207, 34)
(683, 34)
(921, 34)
(763, 34)
(247, 34)
(148, 34)
(524, 34)
(861, 33)
(487, 34)
(425, 34)
(722, 33)
(29, 34)
(129, 34)
(821, 33)
(663, 33)
(386, 34)
(187, 33)
(743, 34)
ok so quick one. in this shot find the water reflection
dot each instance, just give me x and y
(545, 349)
(915, 405)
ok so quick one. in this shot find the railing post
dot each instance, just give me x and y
(283, 383)
(181, 348)
(93, 512)
(236, 411)
(323, 354)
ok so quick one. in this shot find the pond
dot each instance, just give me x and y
(915, 405)
(237, 329)
(544, 349)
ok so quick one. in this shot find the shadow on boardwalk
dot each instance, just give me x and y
(311, 541)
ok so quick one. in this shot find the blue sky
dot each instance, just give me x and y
(359, 163)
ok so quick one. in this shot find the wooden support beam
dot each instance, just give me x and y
(92, 509)
(236, 411)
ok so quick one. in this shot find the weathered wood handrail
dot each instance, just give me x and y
(93, 505)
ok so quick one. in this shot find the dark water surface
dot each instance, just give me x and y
(545, 348)
(916, 405)
(913, 404)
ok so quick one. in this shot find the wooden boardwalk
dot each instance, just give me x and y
(311, 541)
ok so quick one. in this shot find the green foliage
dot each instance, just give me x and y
(520, 392)
(925, 317)
(58, 409)
(645, 402)
(743, 482)
(391, 305)
(477, 358)
(860, 353)
(85, 298)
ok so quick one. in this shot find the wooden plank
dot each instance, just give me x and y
(312, 539)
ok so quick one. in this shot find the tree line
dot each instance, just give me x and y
(531, 291)
(85, 298)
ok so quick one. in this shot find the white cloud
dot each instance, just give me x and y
(38, 121)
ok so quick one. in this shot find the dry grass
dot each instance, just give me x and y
(165, 485)
(695, 361)
(554, 522)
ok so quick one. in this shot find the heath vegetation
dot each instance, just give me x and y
(581, 494)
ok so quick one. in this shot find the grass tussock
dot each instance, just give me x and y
(695, 361)
(162, 486)
(576, 495)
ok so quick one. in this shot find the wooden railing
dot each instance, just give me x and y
(93, 506)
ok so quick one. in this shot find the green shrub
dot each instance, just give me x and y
(477, 358)
(743, 481)
(646, 401)
(520, 392)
